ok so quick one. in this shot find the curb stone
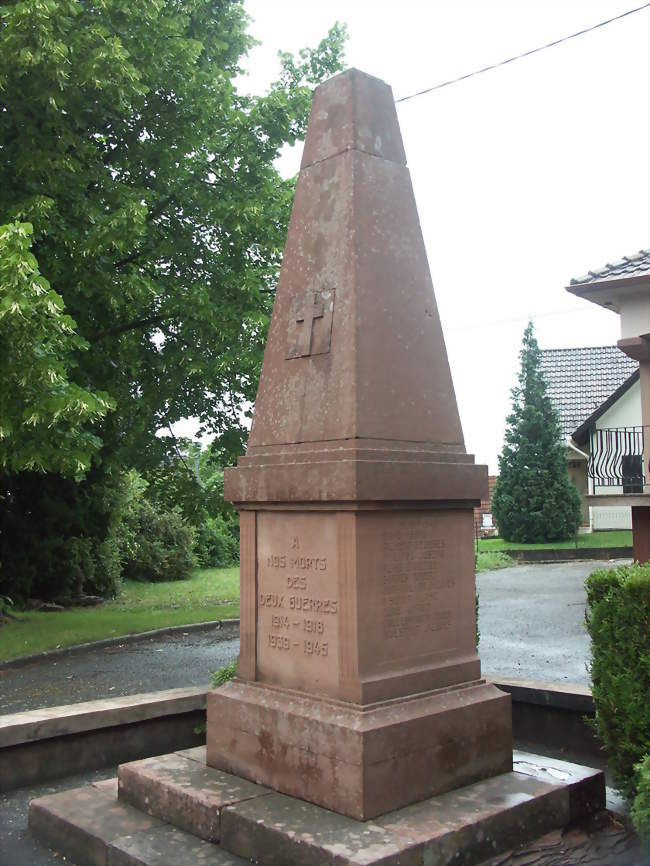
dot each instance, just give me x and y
(49, 655)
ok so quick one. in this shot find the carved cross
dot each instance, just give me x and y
(313, 309)
(304, 312)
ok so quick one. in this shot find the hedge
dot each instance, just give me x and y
(618, 618)
(640, 811)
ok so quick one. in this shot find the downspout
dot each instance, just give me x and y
(569, 443)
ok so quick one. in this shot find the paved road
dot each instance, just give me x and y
(532, 621)
(166, 662)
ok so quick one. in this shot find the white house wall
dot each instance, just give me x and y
(626, 412)
(635, 315)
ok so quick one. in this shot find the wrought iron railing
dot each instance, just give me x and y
(616, 458)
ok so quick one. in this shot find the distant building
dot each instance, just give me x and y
(484, 525)
(596, 389)
(619, 456)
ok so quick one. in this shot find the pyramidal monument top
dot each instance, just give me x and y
(355, 365)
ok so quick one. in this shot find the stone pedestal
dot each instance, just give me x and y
(359, 686)
(361, 761)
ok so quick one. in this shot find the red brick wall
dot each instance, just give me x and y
(485, 508)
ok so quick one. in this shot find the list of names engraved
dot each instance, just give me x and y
(417, 589)
(297, 600)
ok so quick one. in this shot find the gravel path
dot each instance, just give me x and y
(532, 621)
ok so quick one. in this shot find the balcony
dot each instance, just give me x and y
(616, 468)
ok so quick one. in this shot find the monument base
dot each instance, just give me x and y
(173, 810)
(360, 761)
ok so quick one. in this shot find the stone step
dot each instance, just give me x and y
(463, 826)
(183, 791)
(168, 846)
(91, 827)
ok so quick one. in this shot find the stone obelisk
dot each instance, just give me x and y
(358, 684)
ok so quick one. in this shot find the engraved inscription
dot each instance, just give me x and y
(416, 587)
(310, 324)
(298, 605)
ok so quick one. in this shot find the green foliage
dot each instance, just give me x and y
(224, 674)
(57, 535)
(154, 544)
(640, 811)
(193, 484)
(158, 215)
(45, 417)
(618, 620)
(490, 560)
(159, 220)
(217, 542)
(534, 499)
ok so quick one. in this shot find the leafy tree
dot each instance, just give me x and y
(534, 499)
(44, 417)
(192, 483)
(158, 216)
(154, 544)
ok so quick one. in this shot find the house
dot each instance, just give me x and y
(619, 457)
(594, 389)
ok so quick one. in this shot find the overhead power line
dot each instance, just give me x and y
(493, 323)
(524, 54)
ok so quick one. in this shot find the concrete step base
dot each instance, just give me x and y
(91, 827)
(462, 827)
(184, 792)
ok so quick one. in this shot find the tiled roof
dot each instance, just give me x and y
(580, 380)
(637, 265)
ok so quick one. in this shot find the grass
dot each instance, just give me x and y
(604, 538)
(490, 560)
(211, 593)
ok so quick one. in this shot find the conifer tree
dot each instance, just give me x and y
(534, 500)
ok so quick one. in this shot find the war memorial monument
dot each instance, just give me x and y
(358, 729)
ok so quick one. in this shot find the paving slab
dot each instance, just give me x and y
(108, 785)
(80, 823)
(167, 846)
(281, 831)
(184, 792)
(195, 754)
(585, 786)
(480, 820)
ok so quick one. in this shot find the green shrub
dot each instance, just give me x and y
(490, 560)
(224, 674)
(640, 811)
(155, 545)
(57, 535)
(618, 620)
(217, 542)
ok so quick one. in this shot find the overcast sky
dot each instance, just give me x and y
(524, 176)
